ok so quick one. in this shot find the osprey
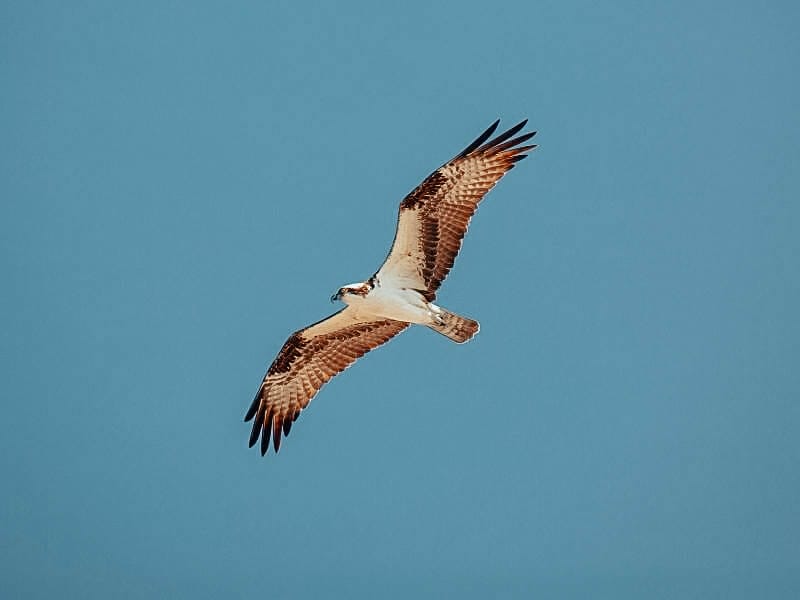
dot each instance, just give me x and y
(432, 222)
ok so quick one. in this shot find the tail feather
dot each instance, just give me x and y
(457, 328)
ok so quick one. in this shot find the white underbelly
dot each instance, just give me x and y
(399, 304)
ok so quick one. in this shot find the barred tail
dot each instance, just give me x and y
(457, 328)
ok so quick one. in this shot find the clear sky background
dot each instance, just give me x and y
(185, 184)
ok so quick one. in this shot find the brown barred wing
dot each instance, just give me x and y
(308, 359)
(434, 218)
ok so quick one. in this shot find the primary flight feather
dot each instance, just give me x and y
(431, 224)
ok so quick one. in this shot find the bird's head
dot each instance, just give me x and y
(348, 292)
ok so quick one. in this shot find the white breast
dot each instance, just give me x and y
(392, 303)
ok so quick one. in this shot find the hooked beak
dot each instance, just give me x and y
(336, 296)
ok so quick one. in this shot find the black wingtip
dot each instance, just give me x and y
(256, 428)
(265, 437)
(253, 406)
(523, 149)
(519, 126)
(504, 136)
(276, 439)
(480, 139)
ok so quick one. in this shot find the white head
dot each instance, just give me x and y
(351, 291)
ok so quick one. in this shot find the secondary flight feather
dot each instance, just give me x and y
(431, 225)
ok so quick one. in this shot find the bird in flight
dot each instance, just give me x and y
(431, 224)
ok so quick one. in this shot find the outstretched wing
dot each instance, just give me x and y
(308, 359)
(434, 217)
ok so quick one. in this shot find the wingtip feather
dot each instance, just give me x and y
(276, 442)
(480, 139)
(251, 412)
(265, 431)
(256, 431)
(495, 142)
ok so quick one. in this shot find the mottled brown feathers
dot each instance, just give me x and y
(426, 245)
(288, 354)
(424, 191)
(432, 222)
(361, 290)
(308, 359)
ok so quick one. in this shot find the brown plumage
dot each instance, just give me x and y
(432, 222)
(434, 217)
(308, 359)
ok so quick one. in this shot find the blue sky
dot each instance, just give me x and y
(185, 184)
